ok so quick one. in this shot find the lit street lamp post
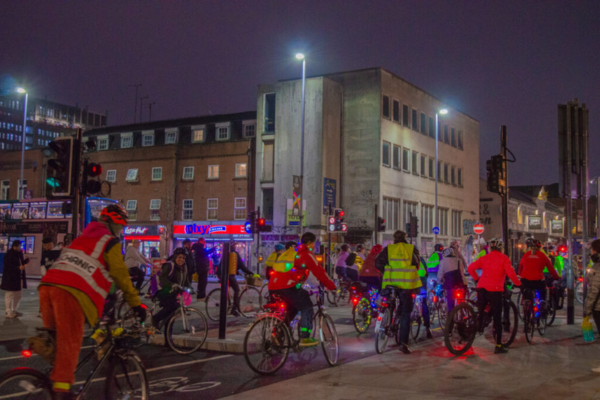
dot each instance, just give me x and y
(437, 166)
(21, 193)
(300, 56)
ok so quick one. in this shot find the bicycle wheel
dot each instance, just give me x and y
(267, 344)
(329, 339)
(551, 311)
(25, 383)
(528, 321)
(579, 292)
(381, 327)
(126, 378)
(510, 322)
(186, 331)
(460, 329)
(362, 315)
(213, 304)
(250, 302)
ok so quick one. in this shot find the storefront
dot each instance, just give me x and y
(150, 236)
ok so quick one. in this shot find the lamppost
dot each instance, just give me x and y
(443, 111)
(597, 179)
(300, 56)
(23, 91)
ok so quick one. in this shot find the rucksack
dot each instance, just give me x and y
(351, 259)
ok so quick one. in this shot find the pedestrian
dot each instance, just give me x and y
(368, 273)
(133, 260)
(202, 262)
(270, 263)
(340, 264)
(14, 264)
(154, 253)
(592, 304)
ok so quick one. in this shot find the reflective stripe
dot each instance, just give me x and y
(99, 248)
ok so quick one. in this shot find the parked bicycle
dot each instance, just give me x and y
(250, 301)
(269, 338)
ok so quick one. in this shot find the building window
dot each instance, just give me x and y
(111, 175)
(222, 131)
(249, 131)
(391, 213)
(241, 170)
(212, 208)
(240, 208)
(270, 113)
(423, 165)
(171, 136)
(213, 172)
(415, 163)
(188, 210)
(460, 183)
(157, 174)
(132, 209)
(446, 180)
(427, 220)
(126, 140)
(102, 143)
(431, 168)
(405, 115)
(396, 157)
(386, 107)
(396, 111)
(188, 173)
(460, 140)
(132, 175)
(198, 134)
(4, 190)
(456, 223)
(155, 210)
(385, 154)
(446, 137)
(415, 120)
(423, 124)
(148, 138)
(443, 221)
(406, 159)
(452, 137)
(452, 176)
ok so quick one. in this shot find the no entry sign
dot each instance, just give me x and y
(478, 229)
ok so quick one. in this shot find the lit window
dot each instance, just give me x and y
(157, 174)
(212, 208)
(171, 136)
(148, 138)
(102, 143)
(222, 131)
(240, 170)
(126, 140)
(198, 134)
(111, 175)
(213, 172)
(240, 208)
(132, 209)
(188, 173)
(132, 175)
(188, 205)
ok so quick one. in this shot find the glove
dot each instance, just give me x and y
(140, 311)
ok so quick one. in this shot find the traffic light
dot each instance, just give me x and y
(414, 227)
(380, 224)
(91, 170)
(495, 174)
(62, 168)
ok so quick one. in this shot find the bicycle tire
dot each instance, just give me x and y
(212, 304)
(198, 331)
(250, 302)
(271, 337)
(121, 382)
(381, 326)
(12, 384)
(462, 323)
(509, 320)
(329, 339)
(528, 321)
(551, 311)
(362, 315)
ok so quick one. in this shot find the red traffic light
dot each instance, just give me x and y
(94, 169)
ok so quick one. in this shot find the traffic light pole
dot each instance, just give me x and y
(505, 191)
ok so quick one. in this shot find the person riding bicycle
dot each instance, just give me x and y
(74, 290)
(531, 270)
(340, 264)
(173, 277)
(399, 263)
(495, 267)
(288, 285)
(451, 275)
(433, 263)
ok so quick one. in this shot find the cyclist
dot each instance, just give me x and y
(75, 287)
(270, 263)
(399, 263)
(173, 277)
(531, 270)
(340, 264)
(433, 263)
(288, 285)
(494, 267)
(451, 275)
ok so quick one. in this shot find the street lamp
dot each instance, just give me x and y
(23, 91)
(300, 56)
(443, 111)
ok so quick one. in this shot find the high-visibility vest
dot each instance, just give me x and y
(81, 266)
(399, 272)
(285, 262)
(271, 260)
(433, 264)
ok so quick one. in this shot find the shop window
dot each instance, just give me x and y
(240, 208)
(132, 209)
(212, 209)
(188, 212)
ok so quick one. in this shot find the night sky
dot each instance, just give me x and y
(504, 63)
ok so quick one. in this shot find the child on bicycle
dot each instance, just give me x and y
(173, 277)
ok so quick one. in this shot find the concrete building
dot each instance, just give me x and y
(369, 141)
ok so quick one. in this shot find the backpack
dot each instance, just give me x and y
(351, 259)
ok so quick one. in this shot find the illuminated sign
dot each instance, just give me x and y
(202, 230)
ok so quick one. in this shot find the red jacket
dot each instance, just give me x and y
(532, 266)
(304, 264)
(495, 267)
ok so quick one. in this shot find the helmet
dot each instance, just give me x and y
(497, 243)
(438, 247)
(178, 251)
(115, 214)
(448, 252)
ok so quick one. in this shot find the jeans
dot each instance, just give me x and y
(137, 276)
(202, 282)
(298, 300)
(495, 299)
(403, 313)
(12, 300)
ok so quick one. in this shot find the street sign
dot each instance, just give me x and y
(436, 230)
(478, 229)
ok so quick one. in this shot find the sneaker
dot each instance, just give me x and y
(308, 342)
(500, 349)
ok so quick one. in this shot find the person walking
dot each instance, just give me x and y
(14, 264)
(202, 262)
(133, 260)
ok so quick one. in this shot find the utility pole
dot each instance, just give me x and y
(504, 183)
(137, 87)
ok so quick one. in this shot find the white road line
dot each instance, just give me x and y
(35, 355)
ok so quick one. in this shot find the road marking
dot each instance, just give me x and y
(36, 355)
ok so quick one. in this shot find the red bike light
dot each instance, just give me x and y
(26, 353)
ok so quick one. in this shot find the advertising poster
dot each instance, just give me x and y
(20, 210)
(37, 210)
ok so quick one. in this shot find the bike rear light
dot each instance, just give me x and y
(26, 353)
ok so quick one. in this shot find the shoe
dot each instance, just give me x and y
(500, 349)
(596, 370)
(429, 334)
(404, 348)
(308, 342)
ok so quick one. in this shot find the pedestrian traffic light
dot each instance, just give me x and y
(91, 185)
(380, 224)
(495, 174)
(61, 169)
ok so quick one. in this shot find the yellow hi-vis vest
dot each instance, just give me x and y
(285, 262)
(399, 272)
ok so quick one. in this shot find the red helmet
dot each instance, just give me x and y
(115, 214)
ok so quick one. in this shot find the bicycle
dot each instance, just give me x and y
(250, 302)
(463, 325)
(269, 338)
(185, 329)
(534, 314)
(126, 377)
(364, 306)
